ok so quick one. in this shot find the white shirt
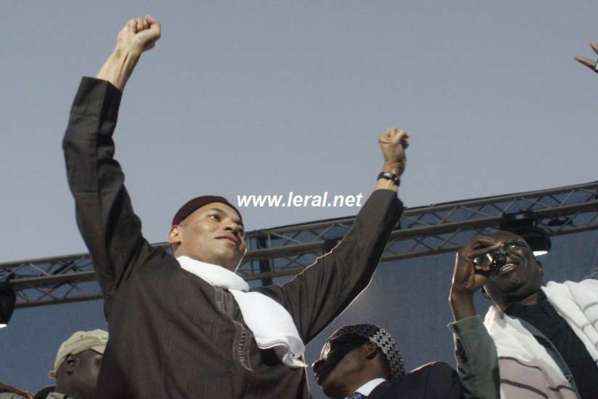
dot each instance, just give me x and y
(367, 388)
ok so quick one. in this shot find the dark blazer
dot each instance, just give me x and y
(430, 381)
(172, 335)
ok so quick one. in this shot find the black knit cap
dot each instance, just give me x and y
(359, 334)
(192, 205)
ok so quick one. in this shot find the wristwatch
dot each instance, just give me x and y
(390, 176)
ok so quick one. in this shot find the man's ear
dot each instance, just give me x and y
(541, 266)
(370, 350)
(174, 235)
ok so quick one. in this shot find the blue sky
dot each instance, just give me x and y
(276, 96)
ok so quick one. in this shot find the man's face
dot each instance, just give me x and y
(84, 370)
(519, 275)
(91, 362)
(339, 363)
(213, 233)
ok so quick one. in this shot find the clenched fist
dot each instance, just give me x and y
(393, 143)
(138, 35)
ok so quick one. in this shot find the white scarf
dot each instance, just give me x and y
(271, 324)
(577, 303)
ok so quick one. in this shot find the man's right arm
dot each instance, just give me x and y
(110, 228)
(477, 360)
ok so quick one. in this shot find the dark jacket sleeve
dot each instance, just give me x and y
(435, 380)
(110, 228)
(324, 289)
(443, 383)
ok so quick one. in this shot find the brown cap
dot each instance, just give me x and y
(196, 203)
(80, 341)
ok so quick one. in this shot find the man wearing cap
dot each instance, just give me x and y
(183, 324)
(363, 361)
(77, 365)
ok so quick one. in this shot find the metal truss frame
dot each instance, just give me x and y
(276, 254)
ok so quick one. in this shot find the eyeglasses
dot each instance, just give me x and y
(492, 258)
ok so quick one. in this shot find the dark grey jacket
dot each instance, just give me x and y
(431, 381)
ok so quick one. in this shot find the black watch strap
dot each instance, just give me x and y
(390, 176)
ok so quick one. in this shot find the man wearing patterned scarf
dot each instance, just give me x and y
(363, 361)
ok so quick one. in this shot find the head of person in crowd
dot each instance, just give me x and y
(355, 355)
(209, 229)
(10, 392)
(78, 363)
(513, 272)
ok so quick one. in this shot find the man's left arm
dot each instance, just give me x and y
(324, 289)
(477, 360)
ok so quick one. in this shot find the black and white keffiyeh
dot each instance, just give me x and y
(379, 337)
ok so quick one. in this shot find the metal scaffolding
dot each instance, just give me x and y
(277, 253)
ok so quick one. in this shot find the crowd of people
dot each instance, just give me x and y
(183, 324)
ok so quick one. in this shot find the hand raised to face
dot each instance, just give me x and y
(467, 275)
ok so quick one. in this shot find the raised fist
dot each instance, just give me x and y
(393, 143)
(138, 35)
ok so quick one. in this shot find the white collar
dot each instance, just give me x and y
(215, 275)
(367, 388)
(271, 323)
